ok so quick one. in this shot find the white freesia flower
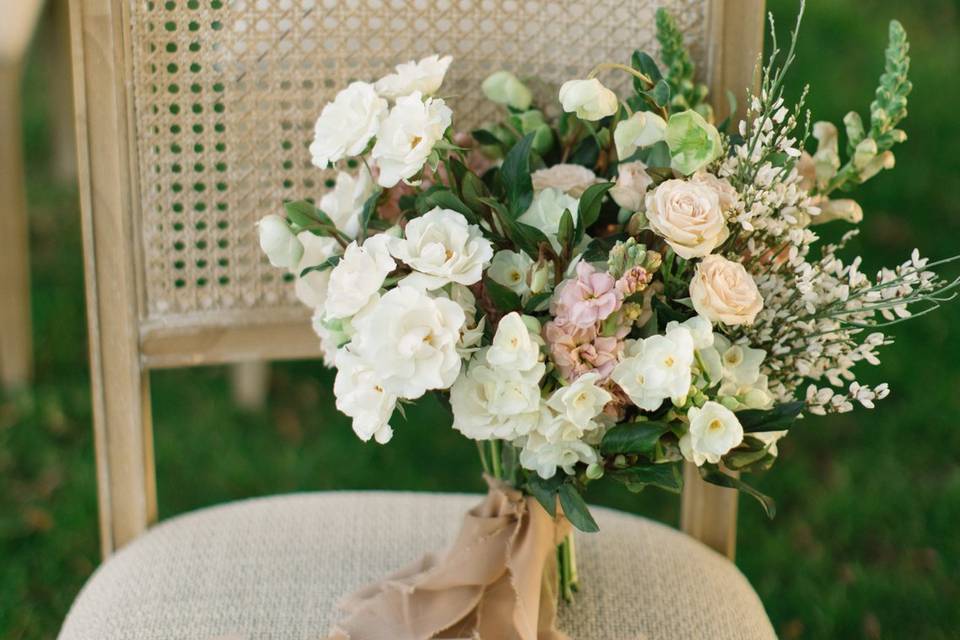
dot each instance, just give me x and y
(700, 329)
(659, 367)
(441, 247)
(489, 402)
(589, 99)
(344, 203)
(545, 212)
(512, 270)
(714, 430)
(513, 347)
(311, 289)
(688, 216)
(741, 364)
(346, 125)
(723, 291)
(360, 396)
(412, 338)
(581, 401)
(545, 457)
(408, 135)
(642, 129)
(424, 76)
(572, 179)
(631, 187)
(503, 87)
(278, 241)
(357, 278)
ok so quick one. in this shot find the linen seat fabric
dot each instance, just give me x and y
(274, 568)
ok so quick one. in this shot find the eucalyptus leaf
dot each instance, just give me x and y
(576, 510)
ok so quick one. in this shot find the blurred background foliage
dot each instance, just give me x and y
(866, 542)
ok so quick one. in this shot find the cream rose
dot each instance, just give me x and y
(726, 194)
(688, 216)
(723, 291)
(572, 179)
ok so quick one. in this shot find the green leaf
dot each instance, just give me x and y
(645, 65)
(545, 491)
(515, 173)
(305, 214)
(474, 191)
(586, 153)
(717, 477)
(566, 230)
(665, 476)
(636, 437)
(504, 298)
(368, 209)
(536, 301)
(661, 93)
(446, 199)
(588, 210)
(329, 263)
(575, 509)
(484, 137)
(599, 248)
(657, 156)
(780, 417)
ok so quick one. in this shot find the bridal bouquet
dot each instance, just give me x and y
(606, 289)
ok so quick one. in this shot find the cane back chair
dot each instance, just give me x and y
(193, 118)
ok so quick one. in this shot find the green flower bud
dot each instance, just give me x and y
(694, 143)
(505, 88)
(595, 471)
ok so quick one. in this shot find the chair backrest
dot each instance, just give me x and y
(194, 118)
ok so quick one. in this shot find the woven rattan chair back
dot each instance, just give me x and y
(194, 118)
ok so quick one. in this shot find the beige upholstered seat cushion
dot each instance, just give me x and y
(273, 568)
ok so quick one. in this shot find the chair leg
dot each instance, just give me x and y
(16, 350)
(709, 512)
(57, 63)
(249, 382)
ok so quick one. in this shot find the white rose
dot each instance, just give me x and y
(642, 129)
(441, 247)
(659, 367)
(407, 137)
(545, 457)
(489, 403)
(589, 99)
(631, 187)
(512, 270)
(471, 334)
(425, 76)
(344, 203)
(572, 179)
(688, 216)
(311, 289)
(545, 212)
(360, 396)
(503, 87)
(726, 194)
(412, 338)
(714, 430)
(581, 401)
(513, 347)
(357, 278)
(277, 240)
(724, 292)
(347, 124)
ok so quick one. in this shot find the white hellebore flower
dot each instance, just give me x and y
(425, 76)
(407, 137)
(412, 338)
(357, 278)
(503, 87)
(513, 347)
(311, 289)
(491, 402)
(581, 401)
(545, 212)
(344, 203)
(659, 367)
(688, 216)
(572, 179)
(642, 129)
(589, 99)
(346, 125)
(277, 240)
(441, 247)
(360, 396)
(512, 270)
(545, 457)
(631, 187)
(714, 430)
(723, 291)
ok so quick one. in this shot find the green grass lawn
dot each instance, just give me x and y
(866, 542)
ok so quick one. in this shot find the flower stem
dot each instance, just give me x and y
(604, 66)
(496, 463)
(567, 561)
(481, 449)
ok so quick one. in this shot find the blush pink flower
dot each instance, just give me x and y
(587, 299)
(634, 280)
(577, 351)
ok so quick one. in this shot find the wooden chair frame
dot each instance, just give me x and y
(123, 348)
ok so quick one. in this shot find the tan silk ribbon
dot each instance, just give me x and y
(497, 582)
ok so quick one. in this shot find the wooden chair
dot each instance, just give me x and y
(193, 118)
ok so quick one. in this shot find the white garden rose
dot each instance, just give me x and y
(589, 99)
(723, 291)
(572, 179)
(441, 247)
(278, 241)
(688, 216)
(714, 430)
(545, 457)
(311, 289)
(357, 278)
(346, 125)
(512, 270)
(408, 135)
(471, 333)
(658, 367)
(640, 130)
(631, 187)
(412, 337)
(424, 76)
(490, 402)
(581, 401)
(513, 346)
(344, 203)
(505, 88)
(360, 396)
(545, 212)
